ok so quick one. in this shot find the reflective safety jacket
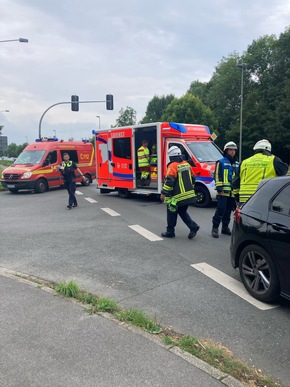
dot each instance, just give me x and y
(252, 171)
(69, 170)
(143, 157)
(225, 171)
(179, 183)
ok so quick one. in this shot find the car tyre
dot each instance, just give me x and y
(124, 193)
(41, 186)
(202, 198)
(259, 274)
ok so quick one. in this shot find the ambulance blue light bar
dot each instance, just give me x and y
(43, 139)
(181, 128)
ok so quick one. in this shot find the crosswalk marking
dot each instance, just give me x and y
(79, 193)
(110, 212)
(231, 284)
(145, 233)
(90, 200)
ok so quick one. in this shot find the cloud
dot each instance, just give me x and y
(132, 49)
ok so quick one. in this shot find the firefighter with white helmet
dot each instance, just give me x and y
(261, 165)
(226, 169)
(178, 192)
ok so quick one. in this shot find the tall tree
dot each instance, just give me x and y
(189, 109)
(199, 89)
(156, 108)
(127, 117)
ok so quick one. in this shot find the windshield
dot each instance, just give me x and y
(205, 151)
(30, 157)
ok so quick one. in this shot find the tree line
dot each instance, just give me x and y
(216, 103)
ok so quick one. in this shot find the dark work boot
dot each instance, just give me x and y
(215, 232)
(226, 230)
(193, 232)
(167, 235)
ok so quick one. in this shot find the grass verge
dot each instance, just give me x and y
(212, 353)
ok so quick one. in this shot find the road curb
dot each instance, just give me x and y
(36, 282)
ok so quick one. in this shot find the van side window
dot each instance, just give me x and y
(73, 155)
(122, 148)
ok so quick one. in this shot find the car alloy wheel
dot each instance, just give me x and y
(258, 273)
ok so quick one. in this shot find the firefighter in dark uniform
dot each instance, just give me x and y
(225, 171)
(68, 168)
(178, 192)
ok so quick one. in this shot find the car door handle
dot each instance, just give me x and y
(279, 227)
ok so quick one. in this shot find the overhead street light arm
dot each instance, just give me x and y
(21, 40)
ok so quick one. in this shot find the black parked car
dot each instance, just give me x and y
(260, 244)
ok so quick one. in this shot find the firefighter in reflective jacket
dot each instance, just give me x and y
(68, 168)
(144, 162)
(226, 169)
(178, 192)
(261, 165)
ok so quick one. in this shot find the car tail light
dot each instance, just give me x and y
(237, 215)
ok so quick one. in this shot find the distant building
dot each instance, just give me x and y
(3, 145)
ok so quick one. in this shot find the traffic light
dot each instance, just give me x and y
(75, 103)
(109, 102)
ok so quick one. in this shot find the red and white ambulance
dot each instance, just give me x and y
(117, 162)
(36, 167)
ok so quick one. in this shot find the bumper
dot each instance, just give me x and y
(26, 184)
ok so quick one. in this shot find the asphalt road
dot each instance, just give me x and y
(39, 236)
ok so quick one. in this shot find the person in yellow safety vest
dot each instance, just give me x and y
(144, 162)
(261, 165)
(178, 192)
(153, 163)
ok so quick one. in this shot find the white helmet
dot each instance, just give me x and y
(174, 151)
(263, 145)
(230, 145)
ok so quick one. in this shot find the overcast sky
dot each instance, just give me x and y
(133, 49)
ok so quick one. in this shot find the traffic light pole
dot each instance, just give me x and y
(60, 103)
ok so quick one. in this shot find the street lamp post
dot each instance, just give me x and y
(54, 132)
(21, 40)
(99, 121)
(242, 66)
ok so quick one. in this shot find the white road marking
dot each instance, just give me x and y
(110, 212)
(79, 193)
(145, 233)
(231, 284)
(90, 200)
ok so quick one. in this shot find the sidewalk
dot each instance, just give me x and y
(49, 341)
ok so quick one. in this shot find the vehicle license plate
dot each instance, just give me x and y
(10, 185)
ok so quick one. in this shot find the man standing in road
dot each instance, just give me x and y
(225, 170)
(68, 168)
(178, 192)
(261, 165)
